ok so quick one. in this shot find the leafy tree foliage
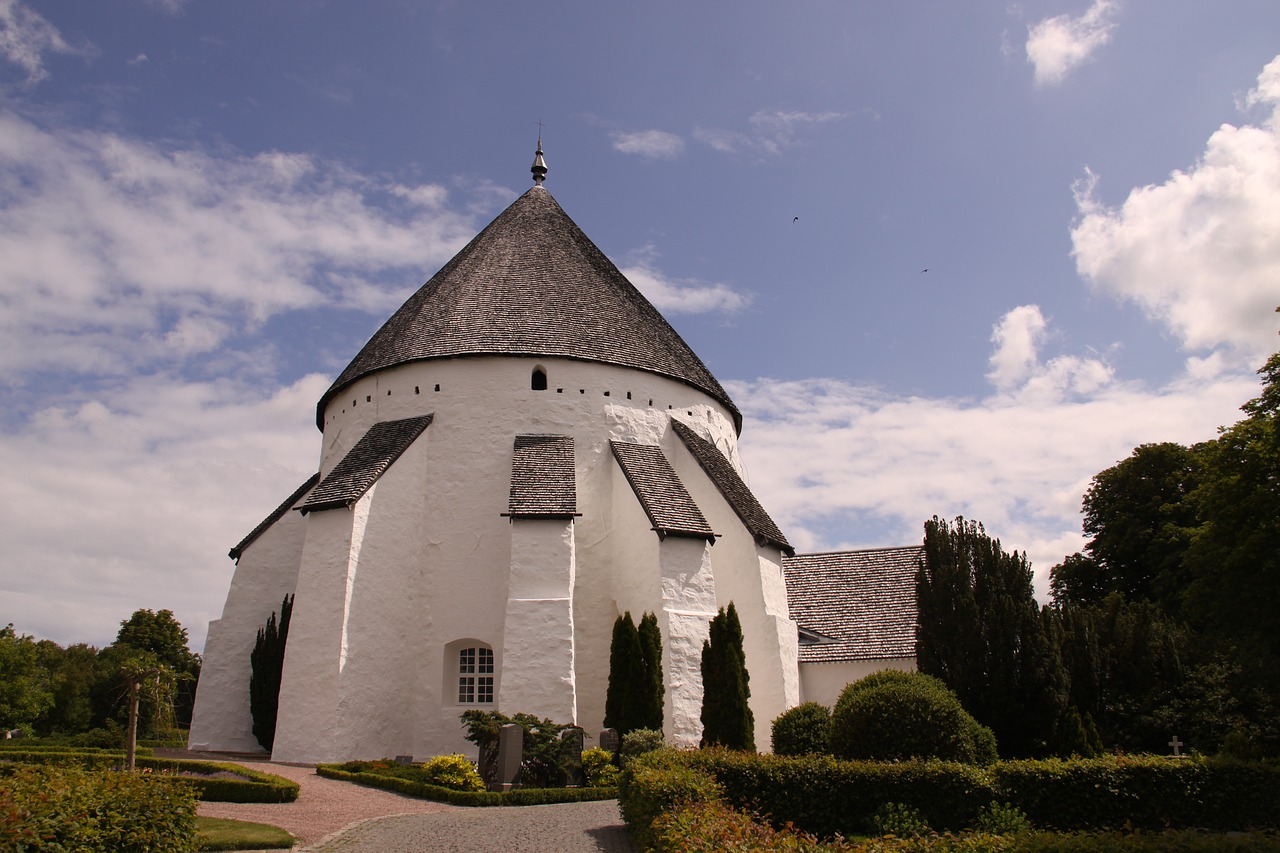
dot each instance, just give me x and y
(726, 715)
(1140, 521)
(162, 635)
(981, 632)
(266, 663)
(542, 754)
(1234, 556)
(25, 689)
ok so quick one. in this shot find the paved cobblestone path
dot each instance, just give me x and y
(562, 828)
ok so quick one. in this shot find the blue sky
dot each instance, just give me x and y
(206, 208)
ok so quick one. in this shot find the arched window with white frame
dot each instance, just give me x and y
(470, 673)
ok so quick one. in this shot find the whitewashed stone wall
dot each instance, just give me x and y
(426, 563)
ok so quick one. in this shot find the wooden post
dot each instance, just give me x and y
(131, 736)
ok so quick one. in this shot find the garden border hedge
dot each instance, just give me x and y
(825, 796)
(256, 787)
(516, 797)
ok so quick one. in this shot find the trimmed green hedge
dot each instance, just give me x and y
(517, 797)
(67, 808)
(22, 745)
(825, 796)
(1147, 792)
(255, 787)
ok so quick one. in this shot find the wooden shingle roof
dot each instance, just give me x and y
(671, 510)
(543, 482)
(864, 600)
(531, 284)
(364, 463)
(735, 491)
(275, 516)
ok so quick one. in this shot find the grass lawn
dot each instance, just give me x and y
(216, 833)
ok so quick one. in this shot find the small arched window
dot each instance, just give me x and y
(475, 676)
(539, 380)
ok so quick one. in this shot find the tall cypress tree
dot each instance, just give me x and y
(626, 693)
(267, 663)
(981, 632)
(651, 652)
(726, 715)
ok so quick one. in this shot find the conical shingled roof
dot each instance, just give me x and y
(532, 284)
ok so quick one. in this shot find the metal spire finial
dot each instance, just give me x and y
(539, 167)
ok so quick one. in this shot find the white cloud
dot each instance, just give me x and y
(1057, 46)
(1016, 367)
(119, 253)
(26, 37)
(654, 144)
(1199, 253)
(826, 455)
(132, 498)
(770, 133)
(680, 295)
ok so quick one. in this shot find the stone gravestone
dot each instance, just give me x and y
(510, 756)
(404, 759)
(609, 741)
(571, 757)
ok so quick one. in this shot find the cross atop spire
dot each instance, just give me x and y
(539, 167)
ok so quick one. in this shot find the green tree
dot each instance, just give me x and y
(1233, 559)
(161, 634)
(1139, 520)
(25, 690)
(71, 673)
(1077, 580)
(650, 637)
(626, 693)
(266, 663)
(981, 632)
(1126, 660)
(726, 714)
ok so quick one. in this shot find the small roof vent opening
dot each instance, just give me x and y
(538, 382)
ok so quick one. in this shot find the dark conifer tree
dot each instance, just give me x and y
(267, 664)
(981, 632)
(726, 715)
(651, 652)
(626, 692)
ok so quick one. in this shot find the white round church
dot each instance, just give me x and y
(523, 452)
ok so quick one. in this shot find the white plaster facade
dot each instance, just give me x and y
(425, 559)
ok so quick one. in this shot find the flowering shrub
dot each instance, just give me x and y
(455, 772)
(598, 765)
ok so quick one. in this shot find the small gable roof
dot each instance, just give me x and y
(364, 463)
(531, 284)
(735, 491)
(543, 477)
(276, 515)
(865, 601)
(670, 508)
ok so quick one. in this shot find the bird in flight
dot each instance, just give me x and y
(924, 270)
(795, 219)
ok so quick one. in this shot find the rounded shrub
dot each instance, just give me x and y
(598, 764)
(803, 730)
(455, 772)
(892, 715)
(637, 743)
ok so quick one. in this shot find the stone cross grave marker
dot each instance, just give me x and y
(1177, 746)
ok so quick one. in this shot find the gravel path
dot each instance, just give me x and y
(339, 816)
(324, 806)
(561, 828)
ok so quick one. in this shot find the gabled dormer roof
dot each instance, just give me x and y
(532, 284)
